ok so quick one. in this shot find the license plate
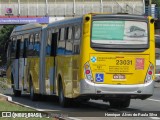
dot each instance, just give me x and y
(119, 76)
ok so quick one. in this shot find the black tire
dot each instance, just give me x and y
(85, 100)
(63, 101)
(17, 93)
(33, 96)
(118, 103)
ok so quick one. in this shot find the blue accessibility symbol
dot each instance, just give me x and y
(99, 77)
(93, 59)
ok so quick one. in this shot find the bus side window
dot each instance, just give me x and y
(25, 47)
(54, 44)
(48, 44)
(77, 37)
(61, 42)
(30, 50)
(69, 40)
(18, 48)
(21, 47)
(77, 32)
(13, 47)
(37, 44)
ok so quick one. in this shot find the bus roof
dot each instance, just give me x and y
(119, 15)
(66, 21)
(27, 27)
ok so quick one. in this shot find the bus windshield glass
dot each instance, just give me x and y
(119, 32)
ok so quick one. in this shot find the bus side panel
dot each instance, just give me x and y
(49, 75)
(152, 46)
(8, 75)
(33, 64)
(64, 69)
(26, 83)
(21, 73)
(14, 69)
(75, 77)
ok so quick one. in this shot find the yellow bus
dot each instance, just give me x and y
(90, 57)
(23, 58)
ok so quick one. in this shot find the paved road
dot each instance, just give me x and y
(94, 106)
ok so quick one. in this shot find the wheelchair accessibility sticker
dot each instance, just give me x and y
(99, 77)
(93, 59)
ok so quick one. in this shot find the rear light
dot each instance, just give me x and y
(159, 72)
(87, 71)
(149, 74)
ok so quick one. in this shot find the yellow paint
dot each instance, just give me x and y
(49, 64)
(105, 65)
(33, 70)
(71, 67)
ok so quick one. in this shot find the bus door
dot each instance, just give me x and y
(21, 64)
(16, 65)
(54, 53)
(50, 63)
(25, 64)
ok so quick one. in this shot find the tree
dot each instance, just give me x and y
(5, 32)
(157, 2)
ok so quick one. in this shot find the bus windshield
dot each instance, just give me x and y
(119, 32)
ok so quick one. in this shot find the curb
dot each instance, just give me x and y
(9, 99)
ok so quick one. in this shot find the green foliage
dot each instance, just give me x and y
(7, 106)
(157, 2)
(5, 32)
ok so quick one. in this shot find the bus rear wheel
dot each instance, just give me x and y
(119, 103)
(64, 102)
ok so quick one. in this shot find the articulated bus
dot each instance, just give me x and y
(89, 57)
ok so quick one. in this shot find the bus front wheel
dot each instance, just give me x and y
(64, 102)
(119, 103)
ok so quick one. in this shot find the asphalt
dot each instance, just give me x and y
(93, 106)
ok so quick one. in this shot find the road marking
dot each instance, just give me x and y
(73, 118)
(155, 118)
(154, 100)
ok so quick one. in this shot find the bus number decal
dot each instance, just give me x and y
(123, 62)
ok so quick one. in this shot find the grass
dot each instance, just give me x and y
(10, 107)
(4, 83)
(7, 106)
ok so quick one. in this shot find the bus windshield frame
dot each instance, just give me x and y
(119, 47)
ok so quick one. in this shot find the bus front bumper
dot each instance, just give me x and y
(87, 87)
